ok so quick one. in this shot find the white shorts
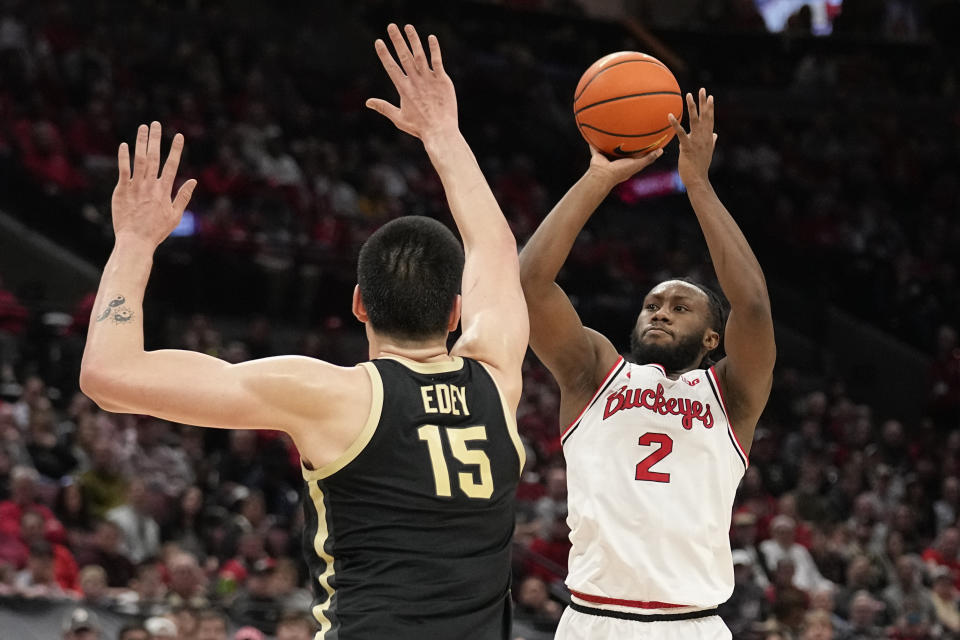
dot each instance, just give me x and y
(575, 625)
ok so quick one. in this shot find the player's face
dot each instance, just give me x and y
(674, 327)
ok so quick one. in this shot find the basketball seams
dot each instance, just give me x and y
(647, 60)
(632, 95)
(622, 135)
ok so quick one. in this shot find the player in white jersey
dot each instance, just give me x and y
(655, 449)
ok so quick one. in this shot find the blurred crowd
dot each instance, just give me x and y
(839, 161)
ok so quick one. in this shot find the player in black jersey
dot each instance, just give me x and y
(411, 460)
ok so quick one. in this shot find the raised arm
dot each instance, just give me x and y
(746, 373)
(577, 357)
(494, 317)
(183, 386)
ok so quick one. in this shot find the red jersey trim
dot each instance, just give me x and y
(606, 379)
(636, 604)
(723, 401)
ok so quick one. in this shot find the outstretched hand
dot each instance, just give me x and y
(616, 171)
(141, 203)
(428, 102)
(696, 147)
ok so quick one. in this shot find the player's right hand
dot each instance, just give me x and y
(428, 102)
(141, 206)
(616, 171)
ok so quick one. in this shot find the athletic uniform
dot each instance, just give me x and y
(408, 533)
(652, 468)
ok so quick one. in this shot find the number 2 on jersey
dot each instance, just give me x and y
(458, 438)
(661, 452)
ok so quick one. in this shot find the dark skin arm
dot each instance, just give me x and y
(746, 373)
(578, 357)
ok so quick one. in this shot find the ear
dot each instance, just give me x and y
(359, 311)
(454, 318)
(711, 340)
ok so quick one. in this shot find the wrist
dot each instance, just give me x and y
(133, 243)
(696, 183)
(438, 140)
(600, 178)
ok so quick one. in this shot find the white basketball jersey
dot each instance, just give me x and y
(652, 469)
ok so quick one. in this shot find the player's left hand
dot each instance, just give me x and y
(141, 203)
(696, 147)
(428, 101)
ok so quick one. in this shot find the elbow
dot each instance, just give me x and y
(95, 383)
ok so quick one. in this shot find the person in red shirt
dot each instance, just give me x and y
(23, 497)
(944, 553)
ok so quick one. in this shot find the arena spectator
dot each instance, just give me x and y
(748, 605)
(141, 533)
(211, 625)
(257, 605)
(944, 600)
(37, 579)
(133, 632)
(864, 616)
(82, 624)
(907, 590)
(105, 550)
(295, 625)
(782, 545)
(23, 497)
(187, 581)
(944, 553)
(104, 485)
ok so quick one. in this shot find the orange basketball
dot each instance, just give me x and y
(622, 101)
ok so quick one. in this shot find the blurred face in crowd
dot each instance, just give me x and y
(82, 634)
(108, 537)
(533, 593)
(783, 533)
(31, 526)
(211, 629)
(192, 501)
(23, 489)
(951, 490)
(863, 611)
(557, 483)
(295, 630)
(673, 329)
(134, 634)
(243, 444)
(186, 621)
(817, 626)
(183, 574)
(822, 600)
(907, 572)
(943, 587)
(950, 543)
(93, 582)
(859, 571)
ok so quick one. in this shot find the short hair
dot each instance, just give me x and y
(297, 618)
(127, 628)
(409, 274)
(716, 304)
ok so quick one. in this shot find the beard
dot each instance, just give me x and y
(683, 353)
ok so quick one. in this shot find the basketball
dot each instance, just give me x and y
(622, 101)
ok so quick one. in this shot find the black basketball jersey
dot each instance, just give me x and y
(408, 534)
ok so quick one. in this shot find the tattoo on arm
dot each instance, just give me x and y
(116, 311)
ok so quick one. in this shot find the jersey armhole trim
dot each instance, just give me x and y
(734, 440)
(363, 438)
(614, 370)
(511, 419)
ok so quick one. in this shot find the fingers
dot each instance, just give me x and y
(400, 46)
(172, 164)
(708, 113)
(140, 152)
(153, 150)
(678, 129)
(436, 60)
(419, 57)
(693, 114)
(123, 163)
(182, 198)
(389, 64)
(384, 108)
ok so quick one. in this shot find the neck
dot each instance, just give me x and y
(426, 351)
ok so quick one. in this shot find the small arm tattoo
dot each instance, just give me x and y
(116, 311)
